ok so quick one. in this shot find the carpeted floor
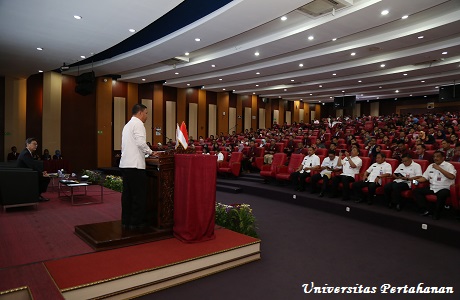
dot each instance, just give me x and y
(302, 245)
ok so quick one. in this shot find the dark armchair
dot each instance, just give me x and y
(18, 187)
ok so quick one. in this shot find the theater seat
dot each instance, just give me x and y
(270, 171)
(284, 172)
(233, 166)
(18, 187)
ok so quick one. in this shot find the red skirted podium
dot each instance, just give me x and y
(194, 197)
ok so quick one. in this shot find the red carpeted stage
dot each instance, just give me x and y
(41, 252)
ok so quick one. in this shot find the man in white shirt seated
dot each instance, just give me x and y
(328, 166)
(441, 175)
(372, 179)
(351, 164)
(407, 171)
(310, 162)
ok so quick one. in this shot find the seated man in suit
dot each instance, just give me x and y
(420, 153)
(26, 160)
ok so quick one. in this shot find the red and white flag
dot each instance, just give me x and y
(182, 135)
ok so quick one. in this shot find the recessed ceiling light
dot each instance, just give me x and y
(258, 73)
(197, 40)
(285, 90)
(40, 71)
(223, 89)
(360, 81)
(257, 54)
(422, 81)
(330, 97)
(333, 74)
(334, 39)
(312, 95)
(380, 87)
(234, 90)
(353, 53)
(177, 73)
(404, 17)
(39, 48)
(410, 95)
(82, 56)
(253, 93)
(132, 30)
(279, 96)
(420, 37)
(436, 87)
(396, 99)
(405, 74)
(220, 79)
(77, 17)
(188, 84)
(213, 66)
(186, 53)
(301, 65)
(311, 38)
(292, 80)
(424, 96)
(382, 65)
(444, 53)
(320, 85)
(257, 85)
(397, 91)
(384, 12)
(143, 79)
(283, 18)
(343, 91)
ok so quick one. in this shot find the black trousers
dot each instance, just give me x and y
(299, 178)
(393, 191)
(133, 198)
(358, 189)
(345, 180)
(43, 183)
(314, 181)
(420, 198)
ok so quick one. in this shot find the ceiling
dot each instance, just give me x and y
(389, 61)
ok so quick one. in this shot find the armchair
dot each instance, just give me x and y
(18, 187)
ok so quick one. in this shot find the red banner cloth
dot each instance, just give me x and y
(194, 197)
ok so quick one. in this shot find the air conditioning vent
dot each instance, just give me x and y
(428, 62)
(176, 61)
(318, 8)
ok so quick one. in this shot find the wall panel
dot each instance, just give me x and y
(171, 120)
(192, 120)
(104, 122)
(232, 119)
(212, 120)
(261, 118)
(288, 118)
(119, 120)
(247, 118)
(149, 130)
(15, 100)
(51, 124)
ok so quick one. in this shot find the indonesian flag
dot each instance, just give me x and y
(182, 135)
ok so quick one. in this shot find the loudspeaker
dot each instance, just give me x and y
(85, 83)
(265, 100)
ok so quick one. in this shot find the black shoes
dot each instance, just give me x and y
(42, 199)
(321, 194)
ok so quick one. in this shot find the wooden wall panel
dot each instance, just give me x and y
(254, 121)
(202, 114)
(181, 106)
(119, 121)
(34, 108)
(158, 113)
(51, 124)
(104, 122)
(132, 99)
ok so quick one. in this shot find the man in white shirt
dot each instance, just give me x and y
(351, 164)
(134, 148)
(441, 175)
(328, 166)
(310, 162)
(372, 179)
(407, 171)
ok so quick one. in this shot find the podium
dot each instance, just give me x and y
(194, 197)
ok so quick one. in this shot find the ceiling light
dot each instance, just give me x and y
(77, 17)
(186, 53)
(405, 74)
(279, 96)
(234, 90)
(333, 74)
(360, 81)
(143, 79)
(334, 39)
(404, 17)
(384, 12)
(40, 71)
(285, 90)
(311, 38)
(82, 56)
(444, 53)
(422, 81)
(436, 87)
(420, 37)
(197, 40)
(188, 84)
(343, 91)
(258, 73)
(132, 30)
(397, 91)
(301, 65)
(312, 95)
(330, 97)
(353, 53)
(380, 87)
(382, 65)
(424, 96)
(283, 18)
(223, 89)
(410, 95)
(396, 99)
(213, 66)
(177, 73)
(257, 85)
(39, 48)
(257, 54)
(220, 79)
(253, 93)
(292, 80)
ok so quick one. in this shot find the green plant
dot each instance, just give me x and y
(114, 183)
(236, 217)
(93, 176)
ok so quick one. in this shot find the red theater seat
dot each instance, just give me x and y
(284, 172)
(233, 166)
(270, 171)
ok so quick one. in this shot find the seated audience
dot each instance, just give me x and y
(351, 165)
(441, 175)
(310, 162)
(57, 154)
(270, 150)
(328, 166)
(372, 179)
(403, 175)
(13, 155)
(46, 155)
(448, 151)
(420, 153)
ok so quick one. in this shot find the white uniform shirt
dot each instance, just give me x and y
(377, 170)
(437, 180)
(327, 162)
(220, 156)
(133, 145)
(348, 170)
(412, 170)
(310, 161)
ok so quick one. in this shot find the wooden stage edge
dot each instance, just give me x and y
(111, 235)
